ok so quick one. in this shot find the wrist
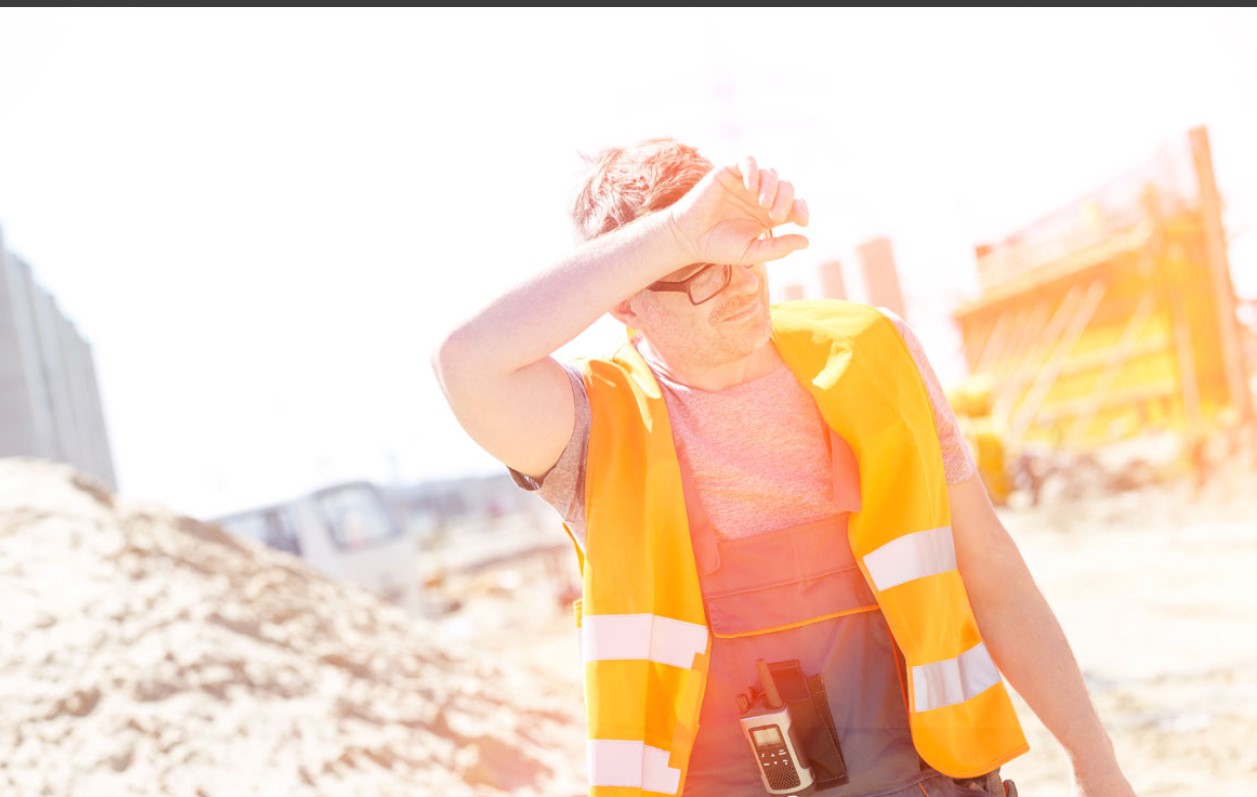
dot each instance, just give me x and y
(1095, 764)
(684, 245)
(639, 253)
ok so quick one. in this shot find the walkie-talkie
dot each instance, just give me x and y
(767, 727)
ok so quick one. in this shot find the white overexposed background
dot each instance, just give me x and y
(264, 220)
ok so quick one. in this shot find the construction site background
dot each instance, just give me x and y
(1107, 348)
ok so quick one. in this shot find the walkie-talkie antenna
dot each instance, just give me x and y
(770, 686)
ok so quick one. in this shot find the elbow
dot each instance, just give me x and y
(440, 355)
(462, 366)
(447, 359)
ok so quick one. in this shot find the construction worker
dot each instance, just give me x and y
(771, 507)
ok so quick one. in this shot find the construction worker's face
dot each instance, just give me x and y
(732, 325)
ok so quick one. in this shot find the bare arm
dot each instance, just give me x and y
(496, 367)
(1027, 642)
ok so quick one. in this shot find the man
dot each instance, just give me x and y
(770, 506)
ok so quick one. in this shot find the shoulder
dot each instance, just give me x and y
(621, 390)
(805, 322)
(822, 310)
(897, 320)
(911, 341)
(910, 338)
(623, 369)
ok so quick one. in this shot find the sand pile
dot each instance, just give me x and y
(145, 653)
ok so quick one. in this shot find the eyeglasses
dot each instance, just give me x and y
(704, 284)
(701, 286)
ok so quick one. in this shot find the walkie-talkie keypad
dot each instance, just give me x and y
(774, 758)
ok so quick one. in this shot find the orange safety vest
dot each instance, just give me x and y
(644, 636)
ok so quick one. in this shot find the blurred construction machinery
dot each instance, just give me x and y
(1106, 335)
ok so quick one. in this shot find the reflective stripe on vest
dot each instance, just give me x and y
(641, 636)
(912, 556)
(633, 764)
(952, 681)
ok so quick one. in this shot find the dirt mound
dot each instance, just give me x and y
(146, 653)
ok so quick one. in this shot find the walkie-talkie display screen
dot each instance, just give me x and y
(767, 735)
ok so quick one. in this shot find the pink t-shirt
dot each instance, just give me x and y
(758, 451)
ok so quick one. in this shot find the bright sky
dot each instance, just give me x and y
(263, 221)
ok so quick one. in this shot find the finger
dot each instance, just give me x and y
(765, 249)
(767, 187)
(783, 202)
(750, 174)
(799, 213)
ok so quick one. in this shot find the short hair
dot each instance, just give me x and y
(626, 183)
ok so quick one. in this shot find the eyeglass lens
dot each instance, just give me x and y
(708, 282)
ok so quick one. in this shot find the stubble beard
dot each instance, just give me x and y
(714, 342)
(742, 337)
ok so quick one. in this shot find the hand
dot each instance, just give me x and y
(724, 218)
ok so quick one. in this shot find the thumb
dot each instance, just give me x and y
(766, 249)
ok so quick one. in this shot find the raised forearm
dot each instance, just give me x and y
(536, 317)
(496, 367)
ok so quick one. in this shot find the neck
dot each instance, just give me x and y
(712, 376)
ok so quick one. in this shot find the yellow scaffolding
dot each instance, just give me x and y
(1114, 317)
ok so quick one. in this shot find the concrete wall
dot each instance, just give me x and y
(49, 398)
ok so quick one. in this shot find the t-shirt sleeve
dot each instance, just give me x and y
(958, 461)
(563, 486)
